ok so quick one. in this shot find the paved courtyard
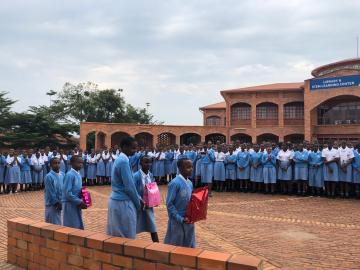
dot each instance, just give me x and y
(287, 232)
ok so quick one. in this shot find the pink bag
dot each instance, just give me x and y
(151, 195)
(85, 195)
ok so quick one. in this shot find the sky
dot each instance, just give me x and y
(176, 55)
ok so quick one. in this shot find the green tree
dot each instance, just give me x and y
(5, 104)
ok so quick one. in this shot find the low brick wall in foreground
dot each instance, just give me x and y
(39, 245)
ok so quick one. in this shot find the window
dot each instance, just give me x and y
(294, 111)
(240, 112)
(266, 111)
(213, 121)
(341, 113)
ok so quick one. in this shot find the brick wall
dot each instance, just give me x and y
(40, 245)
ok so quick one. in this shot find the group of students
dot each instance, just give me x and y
(127, 212)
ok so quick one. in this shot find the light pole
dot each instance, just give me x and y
(50, 94)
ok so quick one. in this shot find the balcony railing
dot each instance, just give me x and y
(267, 122)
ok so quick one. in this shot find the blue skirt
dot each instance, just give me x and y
(91, 172)
(269, 174)
(256, 174)
(159, 168)
(285, 174)
(109, 166)
(72, 216)
(85, 169)
(121, 220)
(244, 174)
(207, 170)
(45, 172)
(13, 175)
(316, 177)
(26, 177)
(52, 215)
(82, 172)
(331, 176)
(146, 221)
(174, 166)
(100, 168)
(301, 173)
(230, 172)
(180, 234)
(347, 175)
(198, 168)
(356, 176)
(168, 167)
(219, 171)
(62, 166)
(2, 174)
(38, 176)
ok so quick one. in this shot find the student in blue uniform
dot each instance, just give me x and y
(169, 157)
(256, 169)
(26, 178)
(243, 171)
(82, 170)
(68, 158)
(124, 201)
(179, 231)
(2, 173)
(63, 161)
(269, 170)
(219, 169)
(106, 156)
(135, 161)
(38, 175)
(285, 172)
(316, 179)
(230, 169)
(54, 181)
(145, 217)
(331, 158)
(345, 169)
(91, 168)
(301, 159)
(159, 172)
(356, 170)
(207, 167)
(13, 175)
(174, 163)
(191, 154)
(100, 168)
(198, 165)
(71, 196)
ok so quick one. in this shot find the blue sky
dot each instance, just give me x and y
(177, 55)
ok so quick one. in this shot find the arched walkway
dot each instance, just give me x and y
(267, 137)
(117, 137)
(188, 138)
(144, 139)
(166, 139)
(215, 138)
(90, 140)
(100, 140)
(243, 138)
(294, 138)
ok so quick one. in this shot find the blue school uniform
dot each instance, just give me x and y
(82, 170)
(124, 201)
(71, 198)
(198, 164)
(256, 174)
(91, 168)
(169, 157)
(230, 167)
(301, 165)
(135, 161)
(53, 195)
(68, 164)
(316, 178)
(63, 165)
(145, 218)
(2, 168)
(192, 156)
(26, 170)
(13, 174)
(331, 170)
(174, 162)
(207, 167)
(356, 167)
(243, 159)
(219, 167)
(178, 197)
(159, 165)
(109, 165)
(100, 167)
(37, 173)
(269, 168)
(345, 155)
(84, 167)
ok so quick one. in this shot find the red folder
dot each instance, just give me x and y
(197, 207)
(85, 196)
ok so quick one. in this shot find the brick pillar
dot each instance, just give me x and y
(83, 140)
(307, 125)
(253, 116)
(281, 115)
(107, 140)
(253, 139)
(177, 139)
(281, 138)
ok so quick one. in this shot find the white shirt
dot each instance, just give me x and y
(105, 156)
(91, 159)
(345, 154)
(330, 155)
(220, 156)
(285, 156)
(37, 161)
(10, 160)
(177, 153)
(160, 155)
(45, 158)
(145, 178)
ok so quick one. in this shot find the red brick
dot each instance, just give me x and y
(52, 244)
(78, 237)
(160, 266)
(60, 256)
(185, 256)
(210, 260)
(11, 257)
(115, 245)
(84, 252)
(28, 237)
(12, 241)
(96, 240)
(52, 263)
(142, 265)
(35, 228)
(106, 266)
(102, 256)
(122, 261)
(67, 248)
(34, 248)
(16, 234)
(46, 252)
(33, 266)
(48, 231)
(136, 248)
(92, 264)
(21, 244)
(11, 223)
(39, 240)
(75, 260)
(21, 262)
(23, 225)
(159, 252)
(63, 234)
(239, 262)
(39, 259)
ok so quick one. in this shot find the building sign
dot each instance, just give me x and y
(335, 82)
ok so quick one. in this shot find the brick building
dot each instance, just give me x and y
(326, 106)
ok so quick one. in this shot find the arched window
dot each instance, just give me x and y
(266, 114)
(294, 113)
(240, 114)
(213, 121)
